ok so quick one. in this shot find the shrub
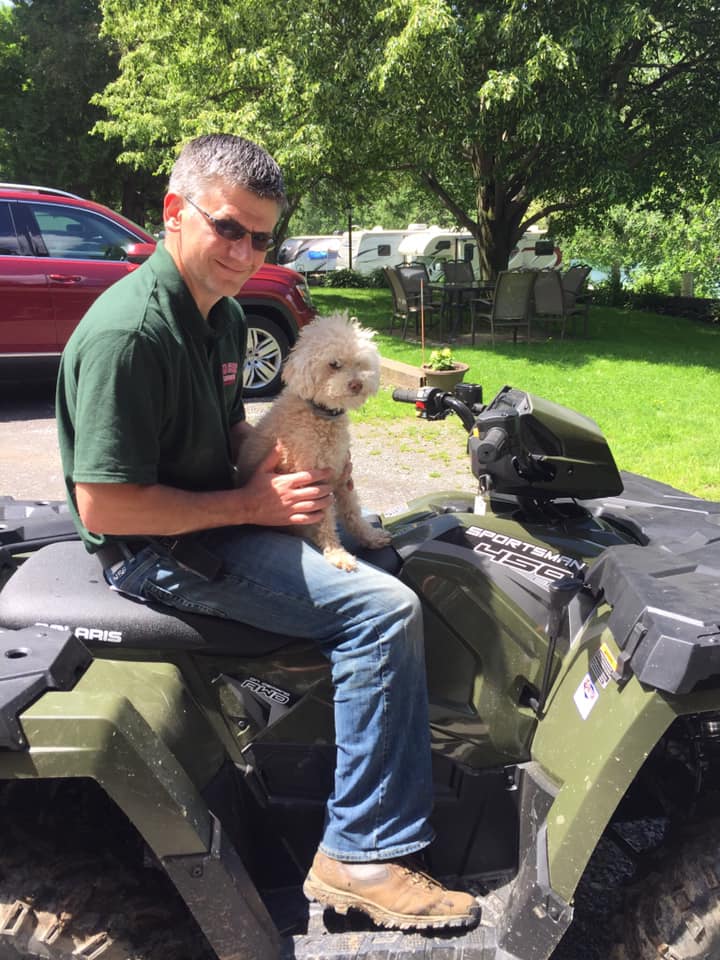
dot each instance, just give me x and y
(703, 309)
(352, 278)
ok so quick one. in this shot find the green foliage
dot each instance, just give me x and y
(52, 60)
(353, 278)
(553, 104)
(392, 201)
(441, 359)
(654, 249)
(276, 73)
(701, 309)
(507, 114)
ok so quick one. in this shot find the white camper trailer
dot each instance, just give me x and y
(371, 250)
(435, 244)
(310, 254)
(375, 248)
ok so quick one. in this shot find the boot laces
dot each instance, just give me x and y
(420, 878)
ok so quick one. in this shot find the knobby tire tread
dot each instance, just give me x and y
(674, 912)
(65, 894)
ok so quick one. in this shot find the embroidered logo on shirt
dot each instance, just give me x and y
(229, 372)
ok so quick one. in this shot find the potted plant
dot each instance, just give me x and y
(443, 370)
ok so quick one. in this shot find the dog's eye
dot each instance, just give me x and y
(335, 365)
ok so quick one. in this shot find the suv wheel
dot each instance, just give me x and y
(267, 347)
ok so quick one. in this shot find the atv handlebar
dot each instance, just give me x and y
(523, 446)
(436, 404)
(402, 395)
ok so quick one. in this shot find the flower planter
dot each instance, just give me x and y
(444, 379)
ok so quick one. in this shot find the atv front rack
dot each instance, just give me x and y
(664, 616)
(663, 590)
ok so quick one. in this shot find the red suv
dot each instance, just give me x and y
(58, 252)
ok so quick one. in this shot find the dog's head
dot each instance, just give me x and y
(334, 363)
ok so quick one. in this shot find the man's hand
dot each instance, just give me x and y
(282, 499)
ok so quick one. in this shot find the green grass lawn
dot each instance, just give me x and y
(652, 383)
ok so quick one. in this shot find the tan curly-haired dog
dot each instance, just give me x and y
(332, 368)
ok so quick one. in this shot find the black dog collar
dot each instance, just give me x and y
(325, 412)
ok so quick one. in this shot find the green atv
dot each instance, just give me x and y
(163, 776)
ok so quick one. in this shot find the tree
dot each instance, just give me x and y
(52, 61)
(511, 112)
(550, 109)
(250, 67)
(653, 249)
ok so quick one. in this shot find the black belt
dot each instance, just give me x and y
(186, 551)
(115, 551)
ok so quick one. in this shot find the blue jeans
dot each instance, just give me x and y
(369, 626)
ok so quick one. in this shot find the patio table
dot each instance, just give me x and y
(457, 294)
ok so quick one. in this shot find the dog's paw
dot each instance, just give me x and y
(340, 558)
(374, 538)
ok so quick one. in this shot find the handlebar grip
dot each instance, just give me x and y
(491, 445)
(404, 395)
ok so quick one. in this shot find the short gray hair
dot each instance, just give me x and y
(232, 159)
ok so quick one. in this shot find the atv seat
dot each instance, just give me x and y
(62, 585)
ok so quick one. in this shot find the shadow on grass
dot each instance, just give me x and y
(614, 334)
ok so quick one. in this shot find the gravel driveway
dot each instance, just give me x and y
(392, 461)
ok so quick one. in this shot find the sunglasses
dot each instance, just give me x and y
(229, 229)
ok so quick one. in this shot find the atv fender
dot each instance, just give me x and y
(133, 727)
(594, 736)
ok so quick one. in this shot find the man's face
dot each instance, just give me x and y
(211, 266)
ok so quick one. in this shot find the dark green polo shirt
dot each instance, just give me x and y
(148, 389)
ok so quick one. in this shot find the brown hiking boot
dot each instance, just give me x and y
(389, 892)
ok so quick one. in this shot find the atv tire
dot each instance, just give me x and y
(62, 899)
(675, 912)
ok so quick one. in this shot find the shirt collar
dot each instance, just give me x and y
(184, 307)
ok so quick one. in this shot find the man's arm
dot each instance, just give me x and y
(268, 499)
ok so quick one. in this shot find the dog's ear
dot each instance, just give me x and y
(298, 373)
(363, 332)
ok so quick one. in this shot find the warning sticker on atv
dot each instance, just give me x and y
(602, 666)
(586, 696)
(531, 560)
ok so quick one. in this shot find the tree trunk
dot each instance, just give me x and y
(495, 241)
(499, 225)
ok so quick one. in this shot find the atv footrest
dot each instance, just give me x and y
(477, 944)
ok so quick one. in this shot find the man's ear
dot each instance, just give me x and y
(173, 204)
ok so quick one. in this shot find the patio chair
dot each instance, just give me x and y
(458, 271)
(577, 296)
(411, 275)
(549, 302)
(510, 306)
(574, 278)
(415, 281)
(406, 298)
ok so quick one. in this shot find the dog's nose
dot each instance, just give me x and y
(355, 386)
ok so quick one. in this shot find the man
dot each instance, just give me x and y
(150, 419)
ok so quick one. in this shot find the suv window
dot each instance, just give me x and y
(76, 234)
(9, 244)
